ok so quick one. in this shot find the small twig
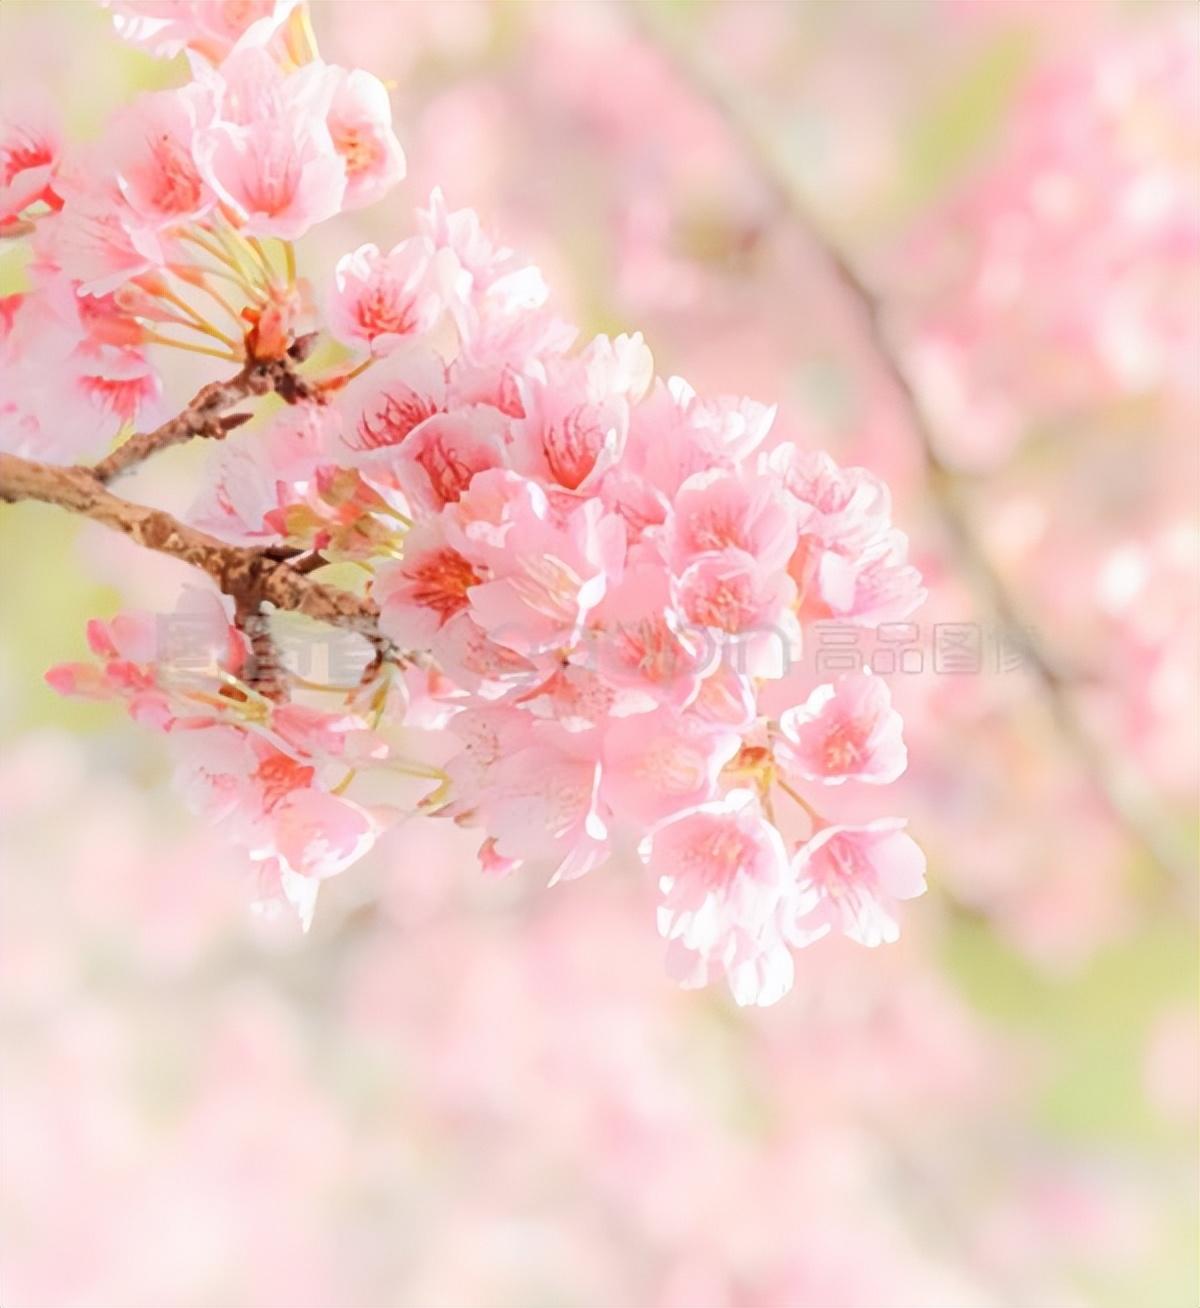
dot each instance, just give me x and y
(251, 577)
(203, 415)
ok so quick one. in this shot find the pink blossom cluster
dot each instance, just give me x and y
(160, 216)
(593, 585)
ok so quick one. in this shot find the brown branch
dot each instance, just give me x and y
(203, 416)
(251, 577)
(1125, 795)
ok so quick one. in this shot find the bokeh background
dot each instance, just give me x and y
(458, 1092)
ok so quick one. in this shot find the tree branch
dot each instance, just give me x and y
(1126, 796)
(251, 577)
(203, 416)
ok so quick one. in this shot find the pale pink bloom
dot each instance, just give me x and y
(479, 664)
(461, 233)
(380, 299)
(722, 869)
(31, 145)
(277, 888)
(846, 508)
(656, 764)
(576, 697)
(438, 459)
(874, 586)
(735, 424)
(66, 392)
(313, 731)
(360, 125)
(849, 563)
(494, 295)
(548, 576)
(393, 397)
(269, 155)
(315, 834)
(850, 879)
(490, 737)
(576, 420)
(267, 801)
(501, 347)
(721, 510)
(671, 438)
(638, 639)
(727, 698)
(757, 965)
(845, 731)
(741, 610)
(422, 592)
(151, 144)
(544, 806)
(209, 27)
(121, 384)
(97, 240)
(499, 506)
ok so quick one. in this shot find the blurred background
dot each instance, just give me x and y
(458, 1092)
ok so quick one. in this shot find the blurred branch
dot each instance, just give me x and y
(1128, 799)
(251, 577)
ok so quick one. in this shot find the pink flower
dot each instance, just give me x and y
(741, 610)
(380, 299)
(69, 386)
(439, 459)
(574, 424)
(656, 764)
(97, 240)
(393, 398)
(584, 578)
(548, 576)
(360, 126)
(490, 737)
(420, 594)
(723, 870)
(165, 667)
(270, 802)
(315, 834)
(269, 155)
(849, 878)
(847, 731)
(849, 562)
(30, 148)
(494, 295)
(638, 639)
(543, 805)
(720, 510)
(210, 27)
(151, 147)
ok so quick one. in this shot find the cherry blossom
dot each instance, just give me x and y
(847, 731)
(851, 878)
(381, 299)
(269, 154)
(31, 145)
(469, 569)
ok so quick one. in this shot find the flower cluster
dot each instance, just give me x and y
(592, 585)
(153, 236)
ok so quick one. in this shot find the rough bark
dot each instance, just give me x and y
(251, 577)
